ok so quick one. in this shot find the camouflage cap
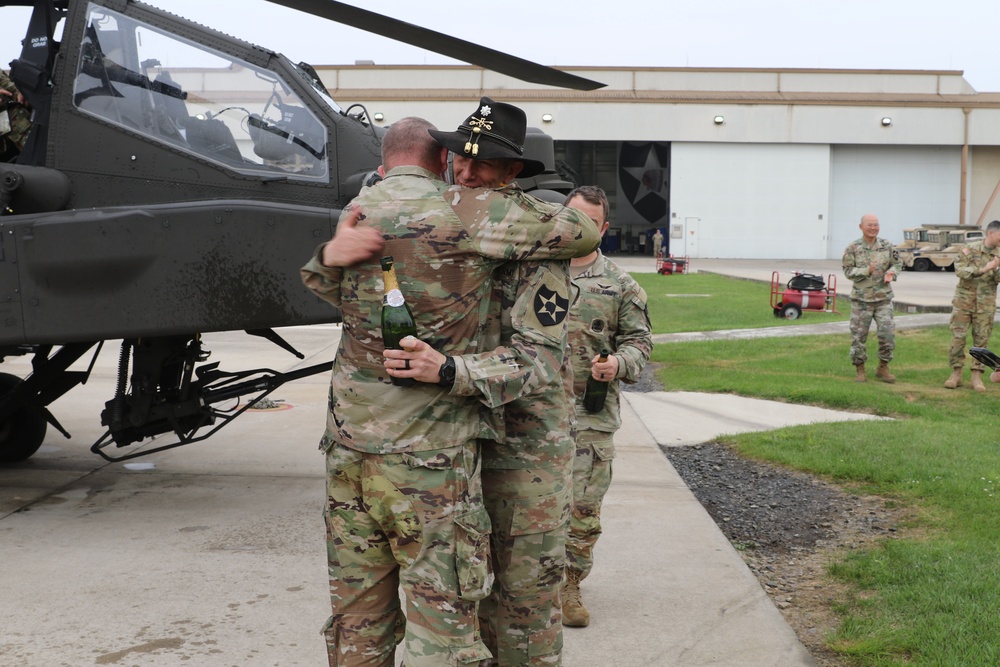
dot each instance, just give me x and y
(494, 131)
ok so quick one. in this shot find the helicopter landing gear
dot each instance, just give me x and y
(163, 387)
(24, 411)
(21, 433)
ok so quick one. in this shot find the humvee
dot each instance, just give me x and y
(941, 249)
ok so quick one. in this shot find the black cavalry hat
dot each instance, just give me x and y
(494, 131)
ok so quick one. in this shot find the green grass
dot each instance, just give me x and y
(705, 302)
(931, 595)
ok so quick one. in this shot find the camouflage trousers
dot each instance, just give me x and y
(415, 522)
(591, 481)
(862, 314)
(529, 511)
(981, 322)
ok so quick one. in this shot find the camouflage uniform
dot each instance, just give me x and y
(609, 313)
(527, 463)
(871, 297)
(404, 496)
(975, 301)
(15, 121)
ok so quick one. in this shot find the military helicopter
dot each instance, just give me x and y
(174, 180)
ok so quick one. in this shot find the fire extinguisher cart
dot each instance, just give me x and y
(670, 265)
(804, 292)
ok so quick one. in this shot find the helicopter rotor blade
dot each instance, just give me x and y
(437, 42)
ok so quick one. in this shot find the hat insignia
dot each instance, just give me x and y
(486, 110)
(476, 126)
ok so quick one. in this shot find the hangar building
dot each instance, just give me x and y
(737, 163)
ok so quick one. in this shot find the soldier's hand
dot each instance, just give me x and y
(994, 263)
(604, 371)
(889, 275)
(351, 244)
(18, 97)
(416, 360)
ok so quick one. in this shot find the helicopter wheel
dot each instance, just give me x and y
(23, 432)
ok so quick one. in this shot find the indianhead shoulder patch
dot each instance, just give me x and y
(551, 307)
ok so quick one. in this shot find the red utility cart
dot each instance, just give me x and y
(804, 292)
(668, 265)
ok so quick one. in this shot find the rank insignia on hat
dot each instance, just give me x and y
(480, 124)
(486, 110)
(477, 126)
(550, 307)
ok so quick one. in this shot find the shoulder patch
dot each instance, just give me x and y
(550, 306)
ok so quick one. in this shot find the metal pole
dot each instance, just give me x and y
(965, 170)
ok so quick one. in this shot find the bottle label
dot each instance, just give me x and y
(394, 298)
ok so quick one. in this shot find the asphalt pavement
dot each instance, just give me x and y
(212, 554)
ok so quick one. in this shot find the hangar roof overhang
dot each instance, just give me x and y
(807, 106)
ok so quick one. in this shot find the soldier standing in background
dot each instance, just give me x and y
(657, 243)
(872, 264)
(608, 313)
(15, 119)
(974, 304)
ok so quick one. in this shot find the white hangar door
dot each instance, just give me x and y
(752, 201)
(905, 186)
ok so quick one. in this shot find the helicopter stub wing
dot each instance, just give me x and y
(437, 42)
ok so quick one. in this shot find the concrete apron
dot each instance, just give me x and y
(214, 553)
(667, 587)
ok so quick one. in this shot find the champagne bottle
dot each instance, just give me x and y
(597, 390)
(397, 320)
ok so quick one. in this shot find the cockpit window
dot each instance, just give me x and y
(197, 99)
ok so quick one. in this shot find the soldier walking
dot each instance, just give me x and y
(974, 304)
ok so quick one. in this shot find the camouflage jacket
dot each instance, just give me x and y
(535, 427)
(7, 84)
(446, 244)
(609, 313)
(859, 256)
(976, 288)
(525, 336)
(16, 122)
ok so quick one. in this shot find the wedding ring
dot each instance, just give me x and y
(406, 364)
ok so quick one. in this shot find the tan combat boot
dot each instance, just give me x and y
(861, 376)
(977, 381)
(574, 614)
(882, 372)
(955, 380)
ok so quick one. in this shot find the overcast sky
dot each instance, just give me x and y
(864, 34)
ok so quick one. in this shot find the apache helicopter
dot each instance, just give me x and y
(173, 182)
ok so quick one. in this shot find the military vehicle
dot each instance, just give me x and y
(940, 249)
(913, 237)
(174, 180)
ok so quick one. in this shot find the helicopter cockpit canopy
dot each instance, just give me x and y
(197, 100)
